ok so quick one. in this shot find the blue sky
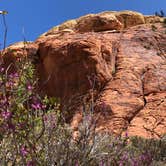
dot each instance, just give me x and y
(37, 16)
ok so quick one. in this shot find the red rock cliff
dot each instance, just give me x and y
(118, 58)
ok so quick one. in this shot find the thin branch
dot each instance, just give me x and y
(5, 33)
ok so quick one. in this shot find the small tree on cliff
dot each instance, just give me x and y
(160, 14)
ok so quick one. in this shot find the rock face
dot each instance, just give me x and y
(16, 51)
(118, 64)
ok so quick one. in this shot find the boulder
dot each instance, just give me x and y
(153, 19)
(130, 18)
(98, 22)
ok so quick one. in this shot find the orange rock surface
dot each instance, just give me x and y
(123, 72)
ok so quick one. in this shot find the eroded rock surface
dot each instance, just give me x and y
(123, 69)
(15, 52)
(129, 71)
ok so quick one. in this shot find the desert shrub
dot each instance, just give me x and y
(22, 112)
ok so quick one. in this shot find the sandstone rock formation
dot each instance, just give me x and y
(129, 18)
(16, 51)
(98, 22)
(118, 64)
(109, 20)
(153, 19)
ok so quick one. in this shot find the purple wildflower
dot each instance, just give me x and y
(124, 157)
(126, 135)
(10, 84)
(142, 157)
(6, 115)
(2, 69)
(36, 106)
(4, 101)
(146, 157)
(23, 151)
(101, 163)
(77, 164)
(121, 163)
(13, 75)
(134, 162)
(29, 86)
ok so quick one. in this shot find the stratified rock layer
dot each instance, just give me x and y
(122, 70)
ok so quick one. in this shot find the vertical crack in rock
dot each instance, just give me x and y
(113, 59)
(142, 83)
(144, 99)
(115, 50)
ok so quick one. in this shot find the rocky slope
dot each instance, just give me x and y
(114, 60)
